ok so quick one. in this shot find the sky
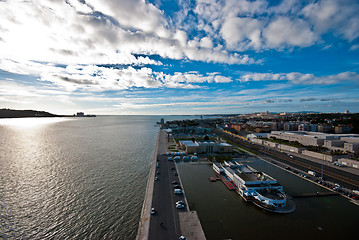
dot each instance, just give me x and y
(134, 57)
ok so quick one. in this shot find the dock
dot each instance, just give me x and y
(316, 194)
(226, 182)
(214, 179)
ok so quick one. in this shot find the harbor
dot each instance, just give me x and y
(225, 215)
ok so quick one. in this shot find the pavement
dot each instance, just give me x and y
(191, 226)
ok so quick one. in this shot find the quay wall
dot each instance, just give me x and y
(144, 224)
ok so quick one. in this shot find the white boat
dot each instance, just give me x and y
(255, 186)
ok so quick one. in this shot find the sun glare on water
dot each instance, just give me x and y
(22, 123)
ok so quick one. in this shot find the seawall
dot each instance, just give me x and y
(144, 224)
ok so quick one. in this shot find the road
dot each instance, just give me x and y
(164, 198)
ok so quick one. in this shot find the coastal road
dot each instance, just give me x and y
(164, 224)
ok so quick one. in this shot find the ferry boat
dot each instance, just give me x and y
(255, 186)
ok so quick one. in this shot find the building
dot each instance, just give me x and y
(290, 126)
(351, 148)
(342, 129)
(205, 147)
(257, 135)
(324, 128)
(304, 138)
(237, 127)
(304, 127)
(277, 126)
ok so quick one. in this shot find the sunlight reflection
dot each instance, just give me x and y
(30, 122)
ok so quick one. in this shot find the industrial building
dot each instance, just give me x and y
(205, 147)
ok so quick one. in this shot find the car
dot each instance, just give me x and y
(177, 187)
(153, 211)
(173, 168)
(355, 197)
(156, 178)
(179, 206)
(170, 158)
(174, 182)
(178, 191)
(175, 174)
(181, 238)
(158, 172)
(180, 202)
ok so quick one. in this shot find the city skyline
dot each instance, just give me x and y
(179, 57)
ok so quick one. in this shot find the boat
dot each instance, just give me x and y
(255, 186)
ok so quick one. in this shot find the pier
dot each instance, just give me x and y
(167, 222)
(316, 194)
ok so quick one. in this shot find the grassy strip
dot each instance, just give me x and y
(241, 147)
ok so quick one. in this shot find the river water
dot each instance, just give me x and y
(224, 215)
(76, 178)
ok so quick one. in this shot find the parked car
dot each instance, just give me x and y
(178, 191)
(153, 211)
(179, 206)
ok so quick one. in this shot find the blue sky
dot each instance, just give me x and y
(179, 57)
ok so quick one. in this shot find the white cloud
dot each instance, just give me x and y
(336, 15)
(98, 32)
(242, 31)
(256, 25)
(92, 78)
(283, 32)
(301, 78)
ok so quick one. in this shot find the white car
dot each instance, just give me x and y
(153, 211)
(178, 191)
(179, 206)
(180, 202)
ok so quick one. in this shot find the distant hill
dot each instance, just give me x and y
(10, 113)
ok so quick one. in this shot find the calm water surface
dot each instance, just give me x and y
(224, 215)
(82, 178)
